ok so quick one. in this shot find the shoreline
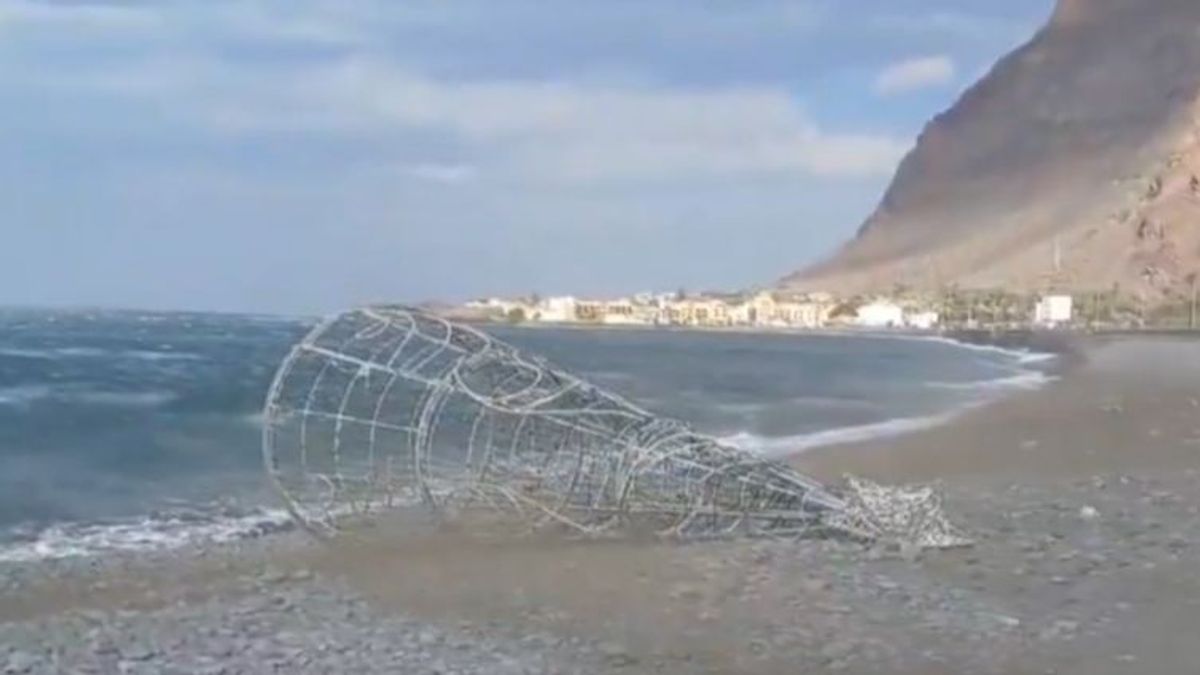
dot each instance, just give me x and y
(1095, 377)
(1063, 353)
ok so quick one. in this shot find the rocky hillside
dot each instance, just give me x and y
(1071, 166)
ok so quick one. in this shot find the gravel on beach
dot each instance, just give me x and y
(1054, 574)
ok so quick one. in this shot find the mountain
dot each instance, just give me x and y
(1072, 165)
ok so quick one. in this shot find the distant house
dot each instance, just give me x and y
(621, 313)
(590, 311)
(1053, 310)
(711, 312)
(762, 309)
(804, 314)
(922, 320)
(499, 308)
(880, 314)
(739, 313)
(556, 310)
(697, 312)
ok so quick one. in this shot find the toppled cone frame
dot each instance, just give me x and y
(379, 409)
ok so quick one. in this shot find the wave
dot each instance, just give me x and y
(130, 399)
(1027, 380)
(151, 533)
(24, 395)
(151, 355)
(94, 353)
(808, 402)
(780, 447)
(28, 394)
(1021, 355)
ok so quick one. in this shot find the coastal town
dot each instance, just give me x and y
(769, 309)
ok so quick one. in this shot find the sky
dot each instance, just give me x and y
(301, 156)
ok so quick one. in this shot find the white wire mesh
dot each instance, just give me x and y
(381, 408)
(910, 515)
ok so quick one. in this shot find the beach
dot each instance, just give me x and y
(1081, 497)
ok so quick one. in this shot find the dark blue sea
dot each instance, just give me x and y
(124, 430)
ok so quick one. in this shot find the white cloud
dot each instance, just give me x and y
(449, 174)
(577, 132)
(526, 130)
(915, 74)
(98, 17)
(538, 128)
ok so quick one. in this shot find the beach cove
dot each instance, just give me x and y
(1081, 496)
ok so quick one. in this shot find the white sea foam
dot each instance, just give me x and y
(26, 394)
(1026, 380)
(55, 353)
(150, 355)
(151, 533)
(132, 399)
(92, 353)
(1022, 379)
(784, 446)
(18, 352)
(1021, 355)
(23, 395)
(810, 403)
(1037, 357)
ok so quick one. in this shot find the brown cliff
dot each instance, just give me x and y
(1071, 166)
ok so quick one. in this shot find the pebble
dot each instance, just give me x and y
(616, 654)
(20, 663)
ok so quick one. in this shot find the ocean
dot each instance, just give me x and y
(124, 430)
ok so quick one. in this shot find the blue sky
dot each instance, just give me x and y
(305, 155)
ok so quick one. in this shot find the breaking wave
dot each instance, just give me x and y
(26, 395)
(1024, 378)
(780, 447)
(1022, 381)
(92, 353)
(159, 532)
(1021, 355)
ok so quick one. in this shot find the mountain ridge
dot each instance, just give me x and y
(1070, 166)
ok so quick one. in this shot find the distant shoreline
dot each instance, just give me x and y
(737, 330)
(1062, 343)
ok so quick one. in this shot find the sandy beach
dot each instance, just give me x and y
(1082, 498)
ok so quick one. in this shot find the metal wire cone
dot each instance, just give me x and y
(382, 408)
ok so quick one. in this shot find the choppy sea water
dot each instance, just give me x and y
(136, 431)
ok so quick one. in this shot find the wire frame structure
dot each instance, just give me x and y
(381, 408)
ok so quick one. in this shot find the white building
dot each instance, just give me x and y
(801, 314)
(880, 314)
(557, 310)
(1053, 310)
(921, 320)
(740, 314)
(623, 312)
(499, 306)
